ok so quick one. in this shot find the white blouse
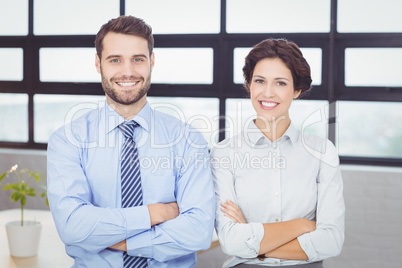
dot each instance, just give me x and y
(293, 177)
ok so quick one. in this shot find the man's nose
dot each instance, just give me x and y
(128, 69)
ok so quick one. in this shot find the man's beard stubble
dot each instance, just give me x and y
(108, 89)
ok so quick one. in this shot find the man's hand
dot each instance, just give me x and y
(163, 212)
(120, 246)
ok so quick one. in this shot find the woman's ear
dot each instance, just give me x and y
(297, 93)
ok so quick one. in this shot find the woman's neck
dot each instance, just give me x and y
(273, 129)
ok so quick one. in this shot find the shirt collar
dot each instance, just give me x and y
(256, 136)
(113, 119)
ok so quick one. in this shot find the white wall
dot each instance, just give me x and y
(373, 197)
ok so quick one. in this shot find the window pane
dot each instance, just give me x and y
(14, 117)
(11, 67)
(312, 55)
(68, 65)
(373, 67)
(271, 16)
(183, 65)
(53, 111)
(370, 129)
(372, 16)
(14, 17)
(177, 16)
(309, 116)
(60, 17)
(202, 113)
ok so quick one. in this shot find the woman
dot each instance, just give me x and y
(279, 193)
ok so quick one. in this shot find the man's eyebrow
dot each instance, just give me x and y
(134, 56)
(113, 56)
(139, 55)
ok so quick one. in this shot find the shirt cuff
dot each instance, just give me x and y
(307, 246)
(137, 220)
(253, 242)
(140, 245)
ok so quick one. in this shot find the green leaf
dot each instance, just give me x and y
(23, 186)
(36, 176)
(2, 176)
(15, 186)
(16, 196)
(23, 200)
(8, 187)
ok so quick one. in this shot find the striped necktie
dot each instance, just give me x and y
(131, 190)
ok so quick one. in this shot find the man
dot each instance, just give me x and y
(129, 186)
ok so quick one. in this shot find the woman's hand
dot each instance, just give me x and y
(232, 211)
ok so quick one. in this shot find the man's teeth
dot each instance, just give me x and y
(127, 84)
(269, 104)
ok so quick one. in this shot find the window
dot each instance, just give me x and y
(59, 17)
(373, 16)
(11, 68)
(14, 13)
(373, 67)
(202, 113)
(370, 129)
(270, 16)
(178, 16)
(64, 109)
(14, 117)
(183, 66)
(48, 74)
(68, 65)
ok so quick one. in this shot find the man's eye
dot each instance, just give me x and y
(138, 60)
(115, 60)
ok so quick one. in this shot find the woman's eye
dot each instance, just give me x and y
(259, 81)
(280, 83)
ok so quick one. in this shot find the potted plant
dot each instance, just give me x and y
(23, 236)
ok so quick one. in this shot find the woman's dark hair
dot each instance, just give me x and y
(125, 25)
(291, 56)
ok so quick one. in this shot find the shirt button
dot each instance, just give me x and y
(276, 193)
(140, 255)
(276, 262)
(276, 219)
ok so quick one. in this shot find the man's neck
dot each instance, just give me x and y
(127, 111)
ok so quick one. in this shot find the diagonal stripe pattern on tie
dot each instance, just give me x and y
(131, 189)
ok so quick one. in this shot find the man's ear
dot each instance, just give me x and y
(297, 94)
(97, 63)
(152, 60)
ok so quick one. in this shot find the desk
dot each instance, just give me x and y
(51, 253)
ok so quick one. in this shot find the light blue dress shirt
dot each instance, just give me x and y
(84, 189)
(296, 176)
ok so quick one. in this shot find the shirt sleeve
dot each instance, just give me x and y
(241, 240)
(327, 240)
(192, 230)
(79, 222)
